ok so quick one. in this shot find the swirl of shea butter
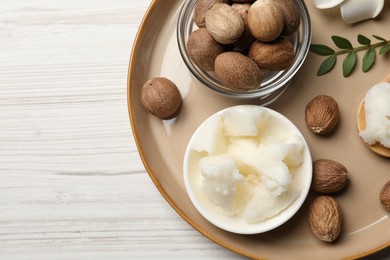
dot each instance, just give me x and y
(353, 11)
(377, 113)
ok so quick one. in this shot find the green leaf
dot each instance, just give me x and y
(368, 59)
(379, 38)
(327, 65)
(363, 40)
(385, 49)
(349, 63)
(321, 49)
(342, 42)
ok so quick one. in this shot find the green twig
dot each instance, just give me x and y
(350, 60)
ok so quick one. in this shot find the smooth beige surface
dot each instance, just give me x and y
(361, 123)
(162, 144)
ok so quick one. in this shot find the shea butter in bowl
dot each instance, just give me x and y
(247, 169)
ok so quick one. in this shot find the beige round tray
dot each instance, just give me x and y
(161, 144)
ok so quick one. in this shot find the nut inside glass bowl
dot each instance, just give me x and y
(273, 83)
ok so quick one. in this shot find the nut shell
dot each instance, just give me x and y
(329, 176)
(275, 55)
(325, 218)
(237, 72)
(292, 19)
(265, 20)
(322, 114)
(246, 39)
(203, 49)
(385, 196)
(242, 10)
(224, 24)
(161, 97)
(201, 7)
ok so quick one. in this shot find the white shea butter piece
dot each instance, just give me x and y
(210, 138)
(275, 176)
(246, 155)
(250, 163)
(294, 156)
(220, 179)
(263, 205)
(267, 166)
(377, 113)
(244, 121)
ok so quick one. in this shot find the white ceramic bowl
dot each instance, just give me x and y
(193, 182)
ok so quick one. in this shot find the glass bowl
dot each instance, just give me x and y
(273, 83)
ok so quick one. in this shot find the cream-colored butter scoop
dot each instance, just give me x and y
(353, 11)
(361, 124)
(325, 4)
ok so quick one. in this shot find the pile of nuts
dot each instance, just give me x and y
(329, 177)
(325, 216)
(242, 40)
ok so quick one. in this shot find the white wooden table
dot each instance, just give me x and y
(72, 185)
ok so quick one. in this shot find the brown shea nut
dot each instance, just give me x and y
(329, 176)
(203, 49)
(385, 196)
(224, 24)
(246, 39)
(237, 72)
(325, 218)
(265, 20)
(292, 19)
(322, 114)
(201, 7)
(275, 55)
(242, 10)
(161, 98)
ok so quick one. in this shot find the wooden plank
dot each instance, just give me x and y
(72, 184)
